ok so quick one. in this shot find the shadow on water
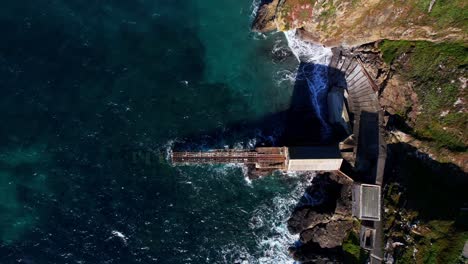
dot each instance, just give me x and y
(297, 126)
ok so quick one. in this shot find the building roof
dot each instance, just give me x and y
(316, 152)
(319, 158)
(366, 199)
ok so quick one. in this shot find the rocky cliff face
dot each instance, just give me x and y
(323, 220)
(355, 22)
(410, 100)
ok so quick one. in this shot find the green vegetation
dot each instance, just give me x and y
(441, 244)
(445, 13)
(330, 11)
(435, 70)
(425, 196)
(353, 253)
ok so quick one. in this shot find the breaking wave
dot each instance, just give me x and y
(254, 7)
(314, 61)
(269, 224)
(285, 76)
(308, 52)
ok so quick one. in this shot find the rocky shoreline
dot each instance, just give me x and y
(322, 219)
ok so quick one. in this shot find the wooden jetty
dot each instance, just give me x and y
(261, 158)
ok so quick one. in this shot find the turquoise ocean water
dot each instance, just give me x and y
(94, 94)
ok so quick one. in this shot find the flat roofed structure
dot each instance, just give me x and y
(366, 202)
(320, 158)
(367, 237)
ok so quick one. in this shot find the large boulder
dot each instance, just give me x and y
(328, 235)
(306, 218)
(325, 199)
(313, 253)
(265, 18)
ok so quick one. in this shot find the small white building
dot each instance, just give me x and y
(319, 158)
(367, 237)
(366, 202)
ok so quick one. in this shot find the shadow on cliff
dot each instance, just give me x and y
(437, 191)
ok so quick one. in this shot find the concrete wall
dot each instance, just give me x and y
(314, 164)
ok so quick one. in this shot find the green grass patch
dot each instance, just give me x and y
(329, 12)
(353, 253)
(445, 13)
(434, 68)
(443, 244)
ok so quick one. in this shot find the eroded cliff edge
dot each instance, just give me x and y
(356, 22)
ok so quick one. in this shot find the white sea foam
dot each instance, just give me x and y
(119, 235)
(268, 222)
(254, 7)
(275, 245)
(308, 52)
(314, 70)
(168, 149)
(285, 76)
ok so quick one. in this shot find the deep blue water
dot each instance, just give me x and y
(93, 94)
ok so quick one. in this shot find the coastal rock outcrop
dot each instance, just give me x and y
(306, 218)
(265, 18)
(356, 22)
(313, 253)
(323, 219)
(328, 235)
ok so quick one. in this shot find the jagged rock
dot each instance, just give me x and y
(372, 61)
(305, 218)
(399, 97)
(328, 235)
(323, 219)
(313, 253)
(265, 18)
(323, 201)
(344, 204)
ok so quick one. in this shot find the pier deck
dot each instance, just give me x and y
(262, 158)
